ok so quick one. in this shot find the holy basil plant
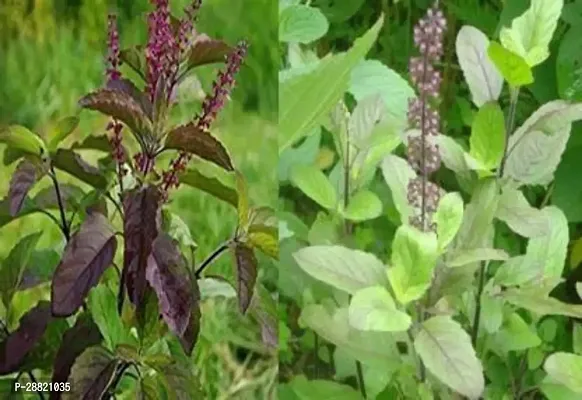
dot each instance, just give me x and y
(86, 332)
(444, 305)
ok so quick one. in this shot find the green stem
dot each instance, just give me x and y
(509, 125)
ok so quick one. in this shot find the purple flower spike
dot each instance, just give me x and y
(113, 61)
(162, 50)
(423, 153)
(222, 86)
(113, 74)
(187, 24)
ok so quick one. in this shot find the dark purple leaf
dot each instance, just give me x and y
(120, 106)
(209, 185)
(76, 340)
(264, 308)
(191, 139)
(91, 374)
(128, 87)
(72, 163)
(246, 268)
(206, 50)
(18, 344)
(178, 295)
(87, 255)
(135, 58)
(141, 226)
(5, 217)
(24, 177)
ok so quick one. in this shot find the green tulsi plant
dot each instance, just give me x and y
(123, 314)
(459, 294)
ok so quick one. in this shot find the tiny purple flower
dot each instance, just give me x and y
(423, 153)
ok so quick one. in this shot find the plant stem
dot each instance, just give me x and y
(211, 258)
(514, 95)
(65, 226)
(348, 228)
(477, 316)
(509, 125)
(361, 383)
(117, 378)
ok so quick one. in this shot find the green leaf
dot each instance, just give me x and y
(91, 374)
(302, 389)
(103, 305)
(311, 181)
(177, 229)
(371, 77)
(478, 216)
(577, 338)
(544, 258)
(366, 115)
(565, 368)
(179, 381)
(265, 238)
(568, 65)
(482, 77)
(535, 149)
(414, 255)
(516, 335)
(62, 129)
(339, 12)
(512, 67)
(21, 138)
(212, 185)
(448, 218)
(373, 348)
(72, 163)
(538, 302)
(446, 351)
(346, 269)
(530, 34)
(556, 391)
(567, 193)
(464, 257)
(373, 309)
(306, 99)
(488, 136)
(397, 173)
(243, 205)
(212, 287)
(14, 265)
(523, 219)
(363, 206)
(301, 24)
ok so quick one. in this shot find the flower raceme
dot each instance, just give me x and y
(213, 103)
(424, 119)
(173, 48)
